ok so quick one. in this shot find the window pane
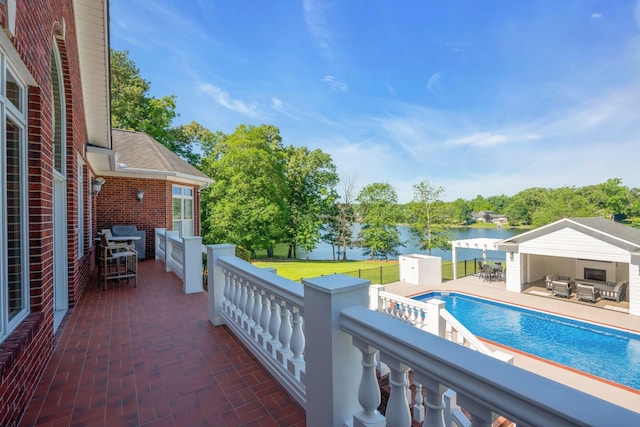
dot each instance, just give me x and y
(188, 192)
(188, 209)
(177, 211)
(176, 190)
(13, 91)
(14, 218)
(176, 226)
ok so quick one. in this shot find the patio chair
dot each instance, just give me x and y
(487, 273)
(561, 288)
(587, 293)
(116, 261)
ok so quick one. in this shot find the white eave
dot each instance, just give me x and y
(92, 26)
(123, 171)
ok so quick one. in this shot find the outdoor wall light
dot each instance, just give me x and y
(140, 195)
(96, 185)
(511, 256)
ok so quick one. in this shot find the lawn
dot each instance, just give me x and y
(298, 269)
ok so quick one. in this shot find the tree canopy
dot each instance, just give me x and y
(378, 208)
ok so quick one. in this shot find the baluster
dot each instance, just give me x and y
(284, 335)
(369, 390)
(435, 405)
(418, 407)
(297, 343)
(248, 308)
(398, 414)
(227, 292)
(265, 319)
(257, 311)
(274, 327)
(232, 293)
(242, 303)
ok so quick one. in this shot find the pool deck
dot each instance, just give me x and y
(607, 390)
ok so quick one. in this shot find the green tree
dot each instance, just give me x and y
(560, 203)
(191, 142)
(523, 205)
(460, 211)
(429, 220)
(246, 204)
(131, 106)
(611, 197)
(311, 177)
(379, 235)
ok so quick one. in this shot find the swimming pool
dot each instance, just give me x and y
(604, 352)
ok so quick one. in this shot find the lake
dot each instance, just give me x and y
(324, 251)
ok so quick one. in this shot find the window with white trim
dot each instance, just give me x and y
(182, 210)
(14, 250)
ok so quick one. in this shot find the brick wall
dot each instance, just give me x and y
(26, 351)
(117, 204)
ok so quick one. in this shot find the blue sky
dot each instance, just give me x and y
(480, 97)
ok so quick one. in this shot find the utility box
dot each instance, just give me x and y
(418, 269)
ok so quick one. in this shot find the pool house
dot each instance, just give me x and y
(592, 250)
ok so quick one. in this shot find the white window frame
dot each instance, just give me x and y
(182, 196)
(19, 118)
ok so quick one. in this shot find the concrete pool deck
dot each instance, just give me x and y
(606, 390)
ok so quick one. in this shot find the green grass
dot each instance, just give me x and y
(299, 269)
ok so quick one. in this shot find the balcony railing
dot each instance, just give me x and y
(323, 343)
(182, 256)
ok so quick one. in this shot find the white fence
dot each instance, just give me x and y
(182, 256)
(323, 343)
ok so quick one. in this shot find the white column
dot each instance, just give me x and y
(453, 260)
(435, 325)
(192, 264)
(217, 280)
(332, 362)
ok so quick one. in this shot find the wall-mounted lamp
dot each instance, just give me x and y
(511, 256)
(96, 185)
(140, 195)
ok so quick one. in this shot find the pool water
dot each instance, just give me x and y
(601, 351)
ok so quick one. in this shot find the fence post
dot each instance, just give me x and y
(380, 282)
(192, 264)
(334, 367)
(216, 280)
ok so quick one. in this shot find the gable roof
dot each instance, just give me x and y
(138, 153)
(612, 232)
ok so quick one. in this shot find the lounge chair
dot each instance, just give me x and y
(561, 288)
(555, 276)
(587, 293)
(616, 293)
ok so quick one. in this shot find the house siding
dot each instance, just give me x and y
(26, 351)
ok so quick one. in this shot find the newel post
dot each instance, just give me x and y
(192, 264)
(333, 364)
(435, 325)
(216, 280)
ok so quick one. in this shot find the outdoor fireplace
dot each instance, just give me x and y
(595, 274)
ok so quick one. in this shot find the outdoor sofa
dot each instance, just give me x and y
(561, 288)
(555, 276)
(614, 293)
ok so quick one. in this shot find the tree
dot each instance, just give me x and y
(131, 106)
(523, 205)
(379, 235)
(560, 203)
(246, 204)
(611, 197)
(191, 142)
(460, 211)
(340, 219)
(429, 221)
(311, 179)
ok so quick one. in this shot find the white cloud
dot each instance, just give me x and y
(489, 139)
(596, 15)
(224, 99)
(434, 84)
(315, 17)
(335, 84)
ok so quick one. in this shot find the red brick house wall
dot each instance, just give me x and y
(26, 351)
(117, 204)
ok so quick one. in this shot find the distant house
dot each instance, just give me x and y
(137, 165)
(489, 216)
(576, 247)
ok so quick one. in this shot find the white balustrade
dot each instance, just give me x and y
(323, 345)
(182, 256)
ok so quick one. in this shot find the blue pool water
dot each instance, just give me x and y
(605, 352)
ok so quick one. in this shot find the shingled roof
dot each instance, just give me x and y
(140, 153)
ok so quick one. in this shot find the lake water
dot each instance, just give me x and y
(324, 251)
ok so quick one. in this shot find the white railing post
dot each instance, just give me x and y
(435, 325)
(369, 390)
(481, 416)
(374, 297)
(333, 368)
(159, 234)
(398, 414)
(192, 264)
(434, 392)
(217, 280)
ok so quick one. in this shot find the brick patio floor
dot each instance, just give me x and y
(148, 356)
